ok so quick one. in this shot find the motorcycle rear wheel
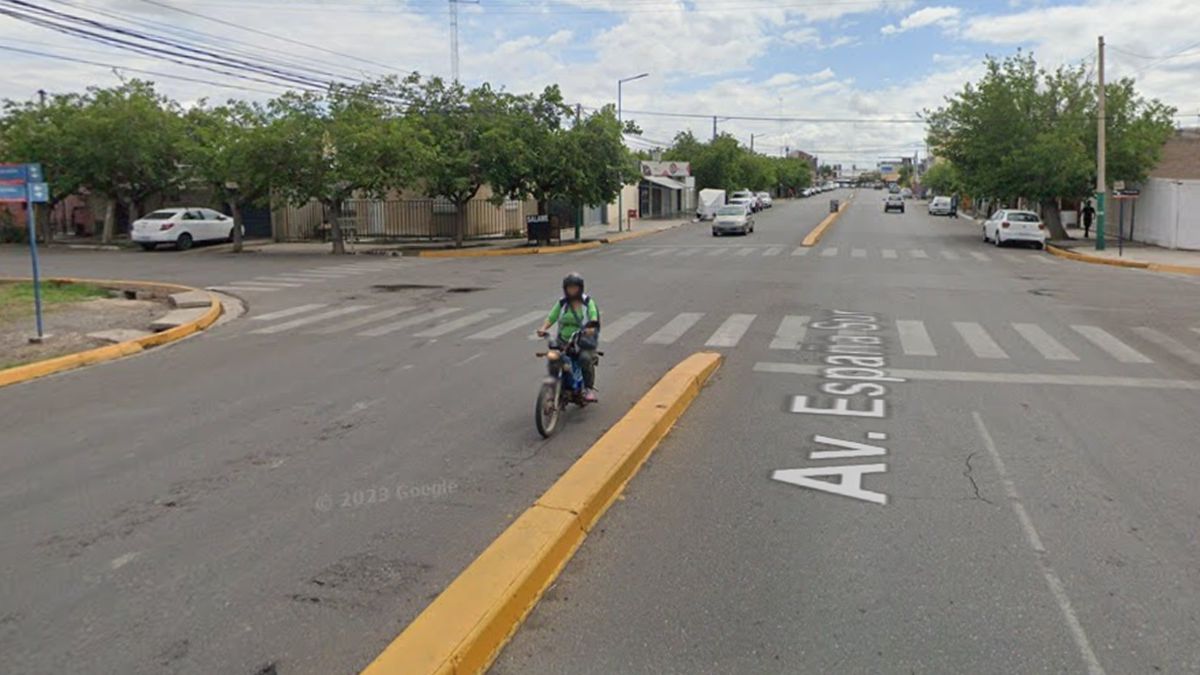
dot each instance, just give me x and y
(546, 413)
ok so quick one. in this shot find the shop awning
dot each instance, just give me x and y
(665, 182)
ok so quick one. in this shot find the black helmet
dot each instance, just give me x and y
(573, 279)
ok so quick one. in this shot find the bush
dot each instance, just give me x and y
(10, 232)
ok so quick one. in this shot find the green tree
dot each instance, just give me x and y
(329, 148)
(906, 174)
(35, 132)
(792, 175)
(131, 146)
(942, 178)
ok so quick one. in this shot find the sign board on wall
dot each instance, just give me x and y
(667, 169)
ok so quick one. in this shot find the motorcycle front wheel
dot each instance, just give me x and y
(546, 414)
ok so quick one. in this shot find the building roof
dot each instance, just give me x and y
(665, 182)
(1180, 156)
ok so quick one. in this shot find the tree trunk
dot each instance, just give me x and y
(110, 221)
(237, 224)
(1053, 219)
(335, 227)
(133, 212)
(460, 224)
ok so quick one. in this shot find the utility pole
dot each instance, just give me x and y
(579, 211)
(1101, 150)
(621, 120)
(714, 127)
(752, 144)
(42, 98)
(454, 40)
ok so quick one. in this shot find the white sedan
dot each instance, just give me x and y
(1007, 225)
(940, 206)
(182, 227)
(733, 218)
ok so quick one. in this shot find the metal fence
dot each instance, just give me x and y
(404, 219)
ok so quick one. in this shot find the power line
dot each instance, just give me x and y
(543, 8)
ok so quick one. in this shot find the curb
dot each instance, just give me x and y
(819, 231)
(31, 371)
(1133, 264)
(466, 626)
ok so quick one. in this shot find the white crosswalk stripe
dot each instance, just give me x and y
(457, 324)
(615, 329)
(664, 251)
(409, 322)
(689, 252)
(373, 317)
(791, 332)
(774, 250)
(1044, 343)
(1170, 344)
(802, 250)
(314, 318)
(918, 253)
(1110, 344)
(674, 329)
(284, 313)
(730, 333)
(509, 326)
(980, 256)
(745, 251)
(829, 252)
(914, 339)
(718, 251)
(858, 253)
(638, 251)
(978, 340)
(888, 253)
(950, 255)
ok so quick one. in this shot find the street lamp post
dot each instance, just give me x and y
(621, 120)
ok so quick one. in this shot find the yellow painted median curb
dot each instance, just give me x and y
(1095, 259)
(31, 371)
(464, 628)
(819, 231)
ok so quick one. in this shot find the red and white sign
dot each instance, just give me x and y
(667, 169)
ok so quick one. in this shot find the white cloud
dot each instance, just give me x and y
(929, 16)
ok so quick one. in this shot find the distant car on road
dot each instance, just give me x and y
(939, 206)
(893, 203)
(733, 218)
(745, 202)
(748, 196)
(765, 199)
(181, 226)
(1009, 225)
(906, 193)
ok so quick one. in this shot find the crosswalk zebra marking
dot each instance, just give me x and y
(718, 251)
(615, 329)
(284, 313)
(1044, 343)
(730, 333)
(978, 340)
(829, 252)
(914, 339)
(888, 254)
(858, 253)
(410, 321)
(313, 318)
(918, 253)
(638, 251)
(664, 251)
(791, 332)
(509, 326)
(448, 327)
(745, 251)
(358, 321)
(1170, 344)
(774, 250)
(801, 251)
(688, 252)
(674, 329)
(950, 255)
(1111, 345)
(980, 256)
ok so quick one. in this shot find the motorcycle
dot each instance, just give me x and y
(564, 386)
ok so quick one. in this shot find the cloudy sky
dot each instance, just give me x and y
(835, 67)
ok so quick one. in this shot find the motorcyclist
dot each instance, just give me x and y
(575, 312)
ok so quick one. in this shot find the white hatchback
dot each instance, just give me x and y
(182, 227)
(1008, 225)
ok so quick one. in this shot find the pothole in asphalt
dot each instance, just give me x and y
(465, 289)
(1043, 292)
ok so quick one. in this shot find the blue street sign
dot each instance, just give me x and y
(39, 193)
(25, 173)
(13, 193)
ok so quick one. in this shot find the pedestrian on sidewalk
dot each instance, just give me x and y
(954, 205)
(1089, 214)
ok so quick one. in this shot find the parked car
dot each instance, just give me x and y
(182, 226)
(709, 202)
(743, 202)
(894, 189)
(1009, 225)
(906, 193)
(765, 198)
(939, 206)
(733, 218)
(893, 203)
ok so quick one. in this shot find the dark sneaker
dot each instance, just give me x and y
(589, 395)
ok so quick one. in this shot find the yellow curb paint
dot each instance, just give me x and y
(466, 626)
(31, 371)
(1175, 269)
(819, 231)
(1097, 260)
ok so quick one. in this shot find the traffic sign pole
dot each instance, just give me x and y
(33, 254)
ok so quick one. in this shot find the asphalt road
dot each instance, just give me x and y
(292, 488)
